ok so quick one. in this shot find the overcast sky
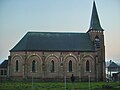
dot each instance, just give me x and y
(17, 17)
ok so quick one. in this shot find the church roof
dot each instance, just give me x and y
(4, 64)
(54, 41)
(95, 23)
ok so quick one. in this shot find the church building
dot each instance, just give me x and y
(51, 56)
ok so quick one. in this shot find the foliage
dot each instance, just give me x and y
(15, 85)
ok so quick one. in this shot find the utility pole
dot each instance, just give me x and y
(89, 80)
(32, 82)
(88, 73)
(110, 69)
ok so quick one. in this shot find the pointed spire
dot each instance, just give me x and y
(95, 23)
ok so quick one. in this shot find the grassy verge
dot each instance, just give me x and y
(13, 85)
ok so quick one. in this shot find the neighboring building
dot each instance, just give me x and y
(53, 55)
(113, 67)
(116, 76)
(113, 71)
(3, 69)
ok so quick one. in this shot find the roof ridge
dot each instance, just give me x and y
(59, 32)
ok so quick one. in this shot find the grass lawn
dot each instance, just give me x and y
(14, 85)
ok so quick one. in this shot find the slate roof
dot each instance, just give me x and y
(95, 23)
(4, 64)
(113, 65)
(54, 41)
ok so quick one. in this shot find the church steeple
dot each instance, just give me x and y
(95, 23)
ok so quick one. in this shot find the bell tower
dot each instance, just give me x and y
(96, 33)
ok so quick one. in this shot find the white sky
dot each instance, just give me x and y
(17, 17)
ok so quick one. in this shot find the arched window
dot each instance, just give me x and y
(17, 66)
(97, 42)
(33, 66)
(70, 66)
(52, 66)
(87, 66)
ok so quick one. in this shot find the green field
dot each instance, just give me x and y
(14, 85)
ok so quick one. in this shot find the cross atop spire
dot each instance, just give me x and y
(95, 23)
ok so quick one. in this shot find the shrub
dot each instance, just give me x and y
(107, 87)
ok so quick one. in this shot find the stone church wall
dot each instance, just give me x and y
(61, 65)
